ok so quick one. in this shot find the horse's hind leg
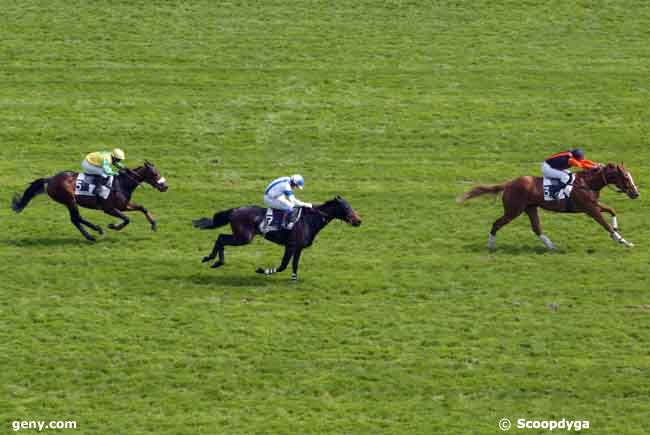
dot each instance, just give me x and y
(91, 225)
(77, 221)
(533, 214)
(510, 214)
(225, 240)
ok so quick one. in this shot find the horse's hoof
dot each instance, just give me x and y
(91, 239)
(206, 259)
(216, 265)
(113, 227)
(260, 270)
(154, 227)
(294, 277)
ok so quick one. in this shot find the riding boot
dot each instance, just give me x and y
(99, 187)
(287, 220)
(569, 185)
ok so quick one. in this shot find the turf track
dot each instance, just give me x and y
(404, 325)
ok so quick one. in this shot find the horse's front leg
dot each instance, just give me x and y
(594, 212)
(137, 207)
(296, 262)
(612, 212)
(115, 212)
(289, 251)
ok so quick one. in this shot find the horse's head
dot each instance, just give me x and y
(151, 175)
(338, 208)
(622, 179)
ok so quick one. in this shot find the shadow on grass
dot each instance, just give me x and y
(506, 249)
(246, 279)
(50, 241)
(64, 241)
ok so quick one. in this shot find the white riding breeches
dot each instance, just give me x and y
(279, 203)
(550, 172)
(92, 169)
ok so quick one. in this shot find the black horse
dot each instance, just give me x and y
(245, 223)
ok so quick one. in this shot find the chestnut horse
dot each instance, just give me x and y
(61, 188)
(526, 194)
(245, 222)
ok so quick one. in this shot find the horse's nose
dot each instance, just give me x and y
(634, 195)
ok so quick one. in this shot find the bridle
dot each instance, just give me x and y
(324, 215)
(133, 175)
(607, 183)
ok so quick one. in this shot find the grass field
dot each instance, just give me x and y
(405, 325)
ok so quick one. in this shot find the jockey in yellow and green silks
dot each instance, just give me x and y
(101, 163)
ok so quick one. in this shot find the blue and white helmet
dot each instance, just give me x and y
(298, 180)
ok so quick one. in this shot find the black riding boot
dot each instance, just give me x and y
(288, 220)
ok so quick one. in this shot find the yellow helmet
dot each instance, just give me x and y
(118, 154)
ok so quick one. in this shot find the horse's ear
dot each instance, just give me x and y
(147, 163)
(338, 197)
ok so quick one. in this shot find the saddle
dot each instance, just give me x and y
(273, 220)
(553, 189)
(86, 185)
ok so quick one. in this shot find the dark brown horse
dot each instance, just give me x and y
(245, 223)
(526, 194)
(61, 188)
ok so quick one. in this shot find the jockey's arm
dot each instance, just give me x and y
(106, 166)
(583, 164)
(296, 202)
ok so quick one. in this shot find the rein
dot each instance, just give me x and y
(606, 183)
(322, 213)
(132, 174)
(604, 177)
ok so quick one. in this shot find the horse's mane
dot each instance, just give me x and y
(136, 169)
(326, 203)
(596, 170)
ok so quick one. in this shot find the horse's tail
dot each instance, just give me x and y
(493, 189)
(18, 203)
(220, 219)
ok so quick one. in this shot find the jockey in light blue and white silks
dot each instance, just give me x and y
(279, 195)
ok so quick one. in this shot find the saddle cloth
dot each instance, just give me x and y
(85, 186)
(551, 186)
(273, 220)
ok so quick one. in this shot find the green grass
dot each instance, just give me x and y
(404, 325)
